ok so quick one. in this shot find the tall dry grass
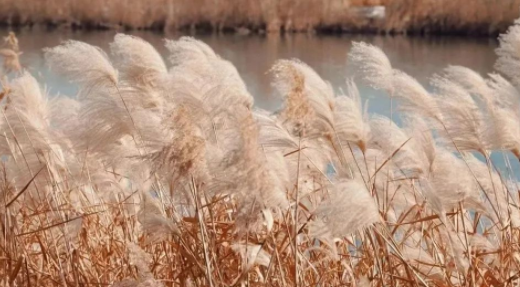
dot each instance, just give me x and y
(271, 15)
(485, 17)
(418, 16)
(165, 174)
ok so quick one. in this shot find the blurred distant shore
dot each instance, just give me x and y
(465, 17)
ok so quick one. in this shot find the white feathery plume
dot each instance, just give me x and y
(453, 183)
(65, 127)
(137, 61)
(63, 113)
(504, 115)
(217, 81)
(105, 121)
(181, 152)
(493, 99)
(350, 119)
(505, 94)
(272, 134)
(415, 98)
(107, 113)
(258, 177)
(374, 64)
(462, 118)
(310, 167)
(82, 63)
(142, 97)
(505, 130)
(127, 121)
(307, 113)
(500, 198)
(188, 49)
(26, 118)
(348, 209)
(245, 174)
(434, 202)
(320, 91)
(298, 114)
(28, 134)
(395, 143)
(97, 185)
(155, 225)
(508, 62)
(470, 80)
(278, 169)
(499, 99)
(309, 100)
(368, 162)
(377, 70)
(27, 99)
(398, 194)
(423, 141)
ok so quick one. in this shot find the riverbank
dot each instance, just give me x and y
(474, 17)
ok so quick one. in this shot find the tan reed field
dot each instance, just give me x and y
(483, 17)
(487, 17)
(163, 173)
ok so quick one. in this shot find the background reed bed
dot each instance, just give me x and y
(165, 174)
(270, 15)
(483, 17)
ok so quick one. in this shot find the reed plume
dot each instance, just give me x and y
(298, 111)
(351, 119)
(508, 58)
(463, 118)
(137, 61)
(350, 201)
(373, 63)
(82, 63)
(217, 81)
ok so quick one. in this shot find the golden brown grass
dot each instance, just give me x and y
(166, 175)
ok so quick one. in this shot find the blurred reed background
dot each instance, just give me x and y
(487, 17)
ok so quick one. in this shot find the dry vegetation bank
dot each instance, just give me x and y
(165, 174)
(485, 17)
(413, 16)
